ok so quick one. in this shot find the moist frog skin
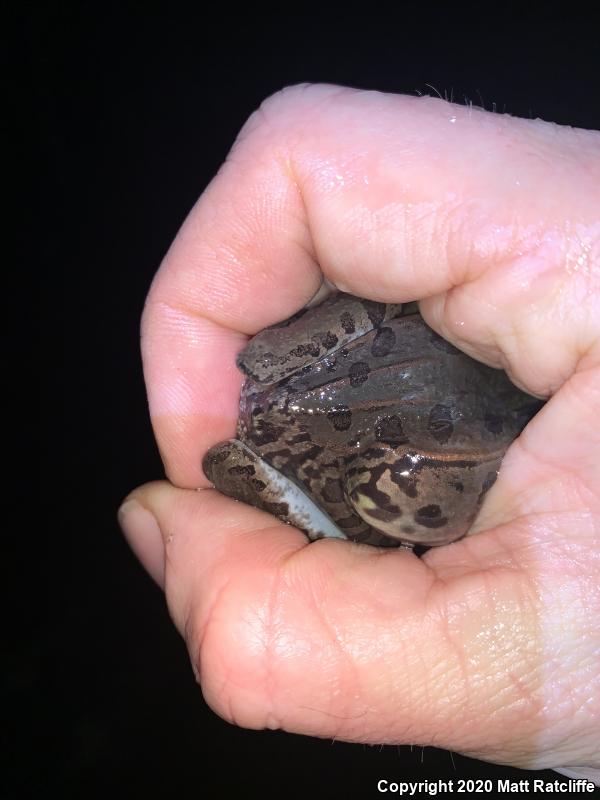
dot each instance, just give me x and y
(358, 421)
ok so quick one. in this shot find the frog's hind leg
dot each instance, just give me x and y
(238, 472)
(420, 497)
(283, 349)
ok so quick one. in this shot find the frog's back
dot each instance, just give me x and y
(399, 384)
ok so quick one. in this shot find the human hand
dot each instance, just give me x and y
(490, 646)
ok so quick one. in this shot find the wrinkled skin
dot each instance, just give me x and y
(489, 646)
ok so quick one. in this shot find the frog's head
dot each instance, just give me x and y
(417, 497)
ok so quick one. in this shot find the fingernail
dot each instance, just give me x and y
(144, 537)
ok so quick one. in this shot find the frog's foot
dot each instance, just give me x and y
(312, 334)
(420, 497)
(238, 472)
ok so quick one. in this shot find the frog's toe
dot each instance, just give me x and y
(239, 472)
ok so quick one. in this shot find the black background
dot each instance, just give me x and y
(131, 110)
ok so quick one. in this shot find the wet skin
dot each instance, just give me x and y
(358, 421)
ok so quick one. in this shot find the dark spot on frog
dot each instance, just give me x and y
(299, 438)
(390, 430)
(459, 486)
(247, 470)
(258, 485)
(494, 423)
(340, 417)
(329, 340)
(383, 509)
(385, 514)
(277, 509)
(350, 522)
(266, 433)
(375, 312)
(308, 349)
(217, 457)
(311, 472)
(429, 461)
(347, 322)
(440, 424)
(430, 516)
(407, 529)
(490, 480)
(332, 491)
(441, 344)
(312, 453)
(331, 465)
(383, 343)
(358, 373)
(247, 371)
(290, 462)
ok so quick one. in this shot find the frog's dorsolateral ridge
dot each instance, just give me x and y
(358, 421)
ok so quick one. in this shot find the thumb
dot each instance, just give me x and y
(345, 641)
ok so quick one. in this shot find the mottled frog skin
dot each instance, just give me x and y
(358, 421)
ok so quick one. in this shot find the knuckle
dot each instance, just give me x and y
(271, 111)
(285, 108)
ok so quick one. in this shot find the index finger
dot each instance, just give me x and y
(494, 219)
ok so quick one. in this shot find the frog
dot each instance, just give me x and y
(358, 421)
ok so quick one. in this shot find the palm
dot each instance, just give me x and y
(490, 645)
